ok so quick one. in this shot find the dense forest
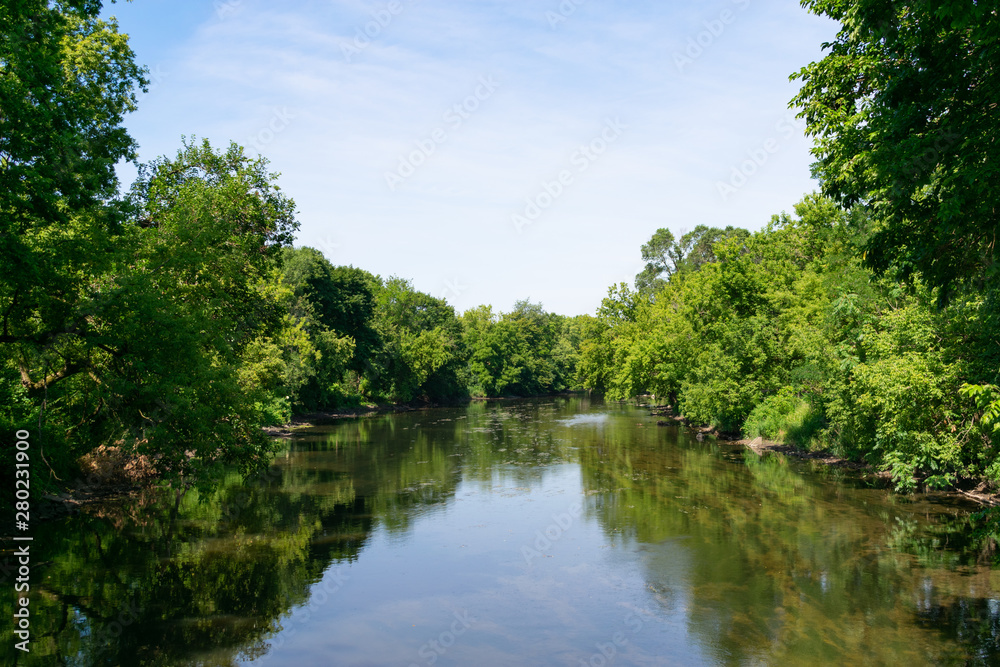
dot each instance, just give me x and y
(172, 320)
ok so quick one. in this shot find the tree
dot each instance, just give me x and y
(341, 298)
(336, 306)
(904, 108)
(662, 256)
(666, 257)
(422, 350)
(152, 344)
(66, 81)
(697, 247)
(193, 289)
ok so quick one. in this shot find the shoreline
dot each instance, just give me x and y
(761, 447)
(72, 500)
(325, 417)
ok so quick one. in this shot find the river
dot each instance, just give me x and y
(540, 532)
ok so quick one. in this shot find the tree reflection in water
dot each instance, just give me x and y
(768, 560)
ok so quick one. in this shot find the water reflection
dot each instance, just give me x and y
(560, 528)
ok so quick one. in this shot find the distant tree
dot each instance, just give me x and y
(662, 256)
(340, 298)
(526, 352)
(665, 256)
(697, 247)
(314, 375)
(422, 352)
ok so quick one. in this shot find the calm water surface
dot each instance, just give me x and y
(547, 532)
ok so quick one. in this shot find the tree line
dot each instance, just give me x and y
(786, 334)
(173, 319)
(867, 323)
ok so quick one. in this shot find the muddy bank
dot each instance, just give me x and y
(760, 446)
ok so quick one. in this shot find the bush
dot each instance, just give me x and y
(785, 417)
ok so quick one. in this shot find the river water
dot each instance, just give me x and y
(539, 532)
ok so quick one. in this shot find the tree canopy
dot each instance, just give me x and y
(904, 111)
(172, 321)
(665, 256)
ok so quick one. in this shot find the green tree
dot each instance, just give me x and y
(67, 78)
(342, 298)
(422, 354)
(662, 255)
(697, 247)
(132, 322)
(152, 351)
(336, 306)
(904, 110)
(665, 256)
(192, 290)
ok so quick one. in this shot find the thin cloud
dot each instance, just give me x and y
(347, 122)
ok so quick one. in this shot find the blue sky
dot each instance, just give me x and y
(491, 151)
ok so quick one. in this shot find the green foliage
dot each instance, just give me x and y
(67, 78)
(662, 257)
(987, 397)
(665, 256)
(785, 417)
(898, 106)
(145, 348)
(784, 334)
(339, 298)
(422, 354)
(525, 352)
(167, 332)
(335, 308)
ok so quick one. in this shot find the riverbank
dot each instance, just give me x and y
(94, 489)
(971, 489)
(323, 417)
(105, 479)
